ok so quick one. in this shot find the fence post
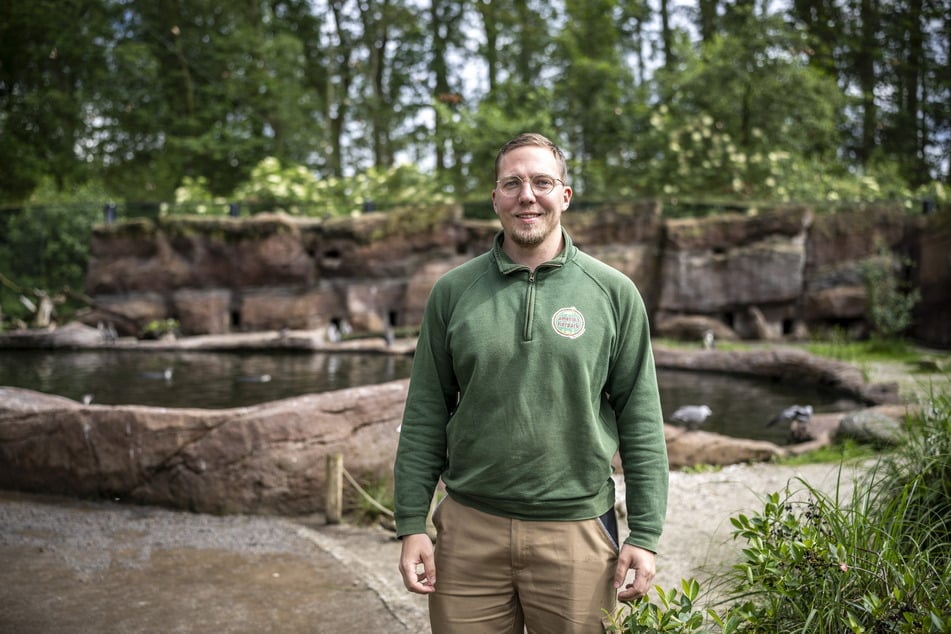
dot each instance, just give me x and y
(334, 509)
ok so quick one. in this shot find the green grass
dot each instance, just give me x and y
(361, 510)
(845, 451)
(871, 350)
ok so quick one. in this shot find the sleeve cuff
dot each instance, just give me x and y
(410, 525)
(645, 541)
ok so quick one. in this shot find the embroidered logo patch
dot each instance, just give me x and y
(568, 322)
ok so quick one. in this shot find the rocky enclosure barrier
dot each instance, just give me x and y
(768, 274)
(264, 459)
(271, 458)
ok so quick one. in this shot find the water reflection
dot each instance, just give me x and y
(741, 406)
(193, 379)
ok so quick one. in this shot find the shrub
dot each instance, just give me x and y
(676, 612)
(158, 328)
(296, 190)
(880, 562)
(44, 247)
(877, 562)
(890, 301)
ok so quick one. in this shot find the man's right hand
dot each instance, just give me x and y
(418, 564)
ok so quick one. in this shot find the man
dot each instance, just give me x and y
(533, 368)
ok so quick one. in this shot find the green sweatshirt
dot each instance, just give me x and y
(524, 386)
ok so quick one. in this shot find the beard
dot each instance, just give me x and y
(529, 237)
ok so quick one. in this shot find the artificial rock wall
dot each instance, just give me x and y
(766, 275)
(271, 458)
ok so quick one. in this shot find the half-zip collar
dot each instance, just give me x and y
(509, 267)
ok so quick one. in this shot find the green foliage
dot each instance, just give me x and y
(746, 117)
(841, 451)
(917, 478)
(675, 613)
(290, 188)
(202, 92)
(295, 190)
(193, 196)
(51, 65)
(158, 328)
(401, 185)
(377, 489)
(701, 467)
(807, 101)
(935, 192)
(890, 301)
(509, 110)
(878, 561)
(838, 345)
(590, 90)
(45, 244)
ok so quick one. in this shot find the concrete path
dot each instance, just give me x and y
(81, 566)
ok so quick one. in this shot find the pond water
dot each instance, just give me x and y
(741, 406)
(197, 379)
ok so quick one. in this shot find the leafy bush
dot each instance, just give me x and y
(676, 612)
(877, 562)
(194, 196)
(159, 328)
(890, 301)
(936, 193)
(45, 245)
(702, 161)
(919, 474)
(290, 188)
(880, 563)
(296, 190)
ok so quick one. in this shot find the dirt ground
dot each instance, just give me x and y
(78, 566)
(93, 566)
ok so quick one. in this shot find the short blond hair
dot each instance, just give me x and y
(537, 140)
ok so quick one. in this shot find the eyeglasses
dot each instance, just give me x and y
(541, 184)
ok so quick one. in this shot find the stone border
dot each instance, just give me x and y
(270, 458)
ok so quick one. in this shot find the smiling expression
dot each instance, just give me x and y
(531, 222)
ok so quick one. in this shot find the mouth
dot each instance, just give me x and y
(528, 216)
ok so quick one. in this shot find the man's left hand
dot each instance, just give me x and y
(643, 563)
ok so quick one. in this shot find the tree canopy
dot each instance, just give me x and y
(712, 98)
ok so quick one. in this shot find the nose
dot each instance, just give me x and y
(526, 193)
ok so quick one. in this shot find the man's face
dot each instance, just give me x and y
(530, 219)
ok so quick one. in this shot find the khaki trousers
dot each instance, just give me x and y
(496, 575)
